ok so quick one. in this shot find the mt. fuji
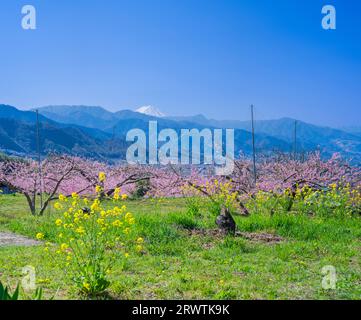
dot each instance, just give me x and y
(151, 111)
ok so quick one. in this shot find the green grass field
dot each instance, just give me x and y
(184, 259)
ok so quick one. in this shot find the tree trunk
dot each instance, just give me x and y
(31, 204)
(226, 223)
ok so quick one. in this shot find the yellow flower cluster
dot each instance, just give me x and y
(90, 234)
(102, 177)
(262, 196)
(335, 199)
(40, 236)
(222, 193)
(116, 195)
(77, 222)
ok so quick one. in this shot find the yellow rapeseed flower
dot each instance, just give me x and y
(40, 236)
(57, 206)
(86, 285)
(117, 192)
(117, 223)
(80, 230)
(102, 176)
(58, 222)
(100, 221)
(95, 206)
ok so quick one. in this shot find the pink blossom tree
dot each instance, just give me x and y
(25, 176)
(64, 174)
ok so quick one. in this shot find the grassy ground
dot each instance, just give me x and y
(180, 264)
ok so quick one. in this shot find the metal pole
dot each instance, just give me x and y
(253, 148)
(295, 141)
(39, 157)
(113, 139)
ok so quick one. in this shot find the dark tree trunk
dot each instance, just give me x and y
(31, 204)
(226, 223)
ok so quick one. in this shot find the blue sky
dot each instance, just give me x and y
(186, 57)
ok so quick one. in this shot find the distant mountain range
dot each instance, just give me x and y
(18, 136)
(356, 130)
(309, 137)
(98, 133)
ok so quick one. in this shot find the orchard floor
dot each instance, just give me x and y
(273, 257)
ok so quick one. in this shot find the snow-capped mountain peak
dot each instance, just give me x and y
(150, 111)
